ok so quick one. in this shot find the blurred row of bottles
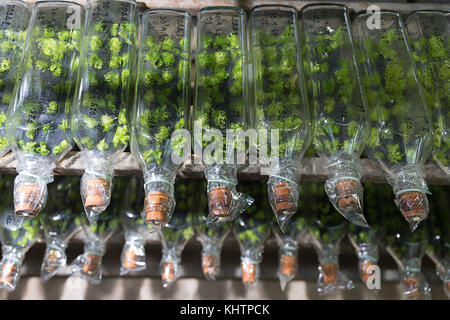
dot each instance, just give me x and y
(316, 223)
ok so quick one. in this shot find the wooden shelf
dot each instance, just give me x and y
(313, 169)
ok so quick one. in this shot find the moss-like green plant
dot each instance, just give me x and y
(278, 89)
(12, 42)
(430, 46)
(100, 117)
(162, 98)
(40, 106)
(400, 120)
(341, 121)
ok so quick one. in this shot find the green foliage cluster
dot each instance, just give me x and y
(26, 234)
(220, 83)
(163, 96)
(53, 60)
(399, 119)
(432, 57)
(278, 88)
(11, 50)
(340, 118)
(104, 100)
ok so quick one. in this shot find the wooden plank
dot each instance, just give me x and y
(313, 169)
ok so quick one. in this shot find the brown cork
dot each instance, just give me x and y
(219, 200)
(8, 270)
(94, 193)
(364, 269)
(288, 264)
(52, 260)
(329, 272)
(168, 272)
(448, 285)
(157, 207)
(248, 272)
(412, 285)
(412, 204)
(27, 199)
(209, 264)
(282, 195)
(345, 200)
(91, 263)
(130, 259)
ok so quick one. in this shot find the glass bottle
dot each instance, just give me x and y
(210, 236)
(58, 223)
(159, 135)
(88, 265)
(341, 120)
(220, 106)
(327, 231)
(288, 248)
(136, 231)
(14, 19)
(430, 44)
(281, 112)
(176, 235)
(251, 231)
(38, 129)
(401, 136)
(103, 97)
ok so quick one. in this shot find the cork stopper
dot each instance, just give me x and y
(157, 207)
(329, 272)
(282, 195)
(346, 200)
(288, 264)
(219, 200)
(168, 272)
(412, 286)
(209, 264)
(129, 261)
(91, 263)
(8, 270)
(248, 272)
(364, 270)
(52, 260)
(27, 199)
(413, 205)
(95, 191)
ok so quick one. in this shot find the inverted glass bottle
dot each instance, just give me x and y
(429, 34)
(340, 111)
(14, 19)
(278, 95)
(401, 136)
(38, 128)
(15, 244)
(89, 264)
(162, 100)
(251, 230)
(58, 223)
(220, 105)
(173, 239)
(102, 99)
